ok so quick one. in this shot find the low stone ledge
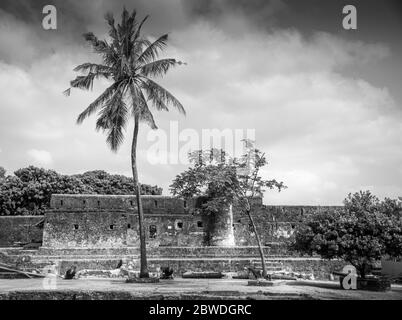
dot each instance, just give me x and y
(142, 280)
(266, 283)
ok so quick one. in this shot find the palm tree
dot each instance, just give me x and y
(129, 62)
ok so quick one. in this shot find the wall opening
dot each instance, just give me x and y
(155, 203)
(185, 204)
(76, 227)
(61, 202)
(98, 203)
(84, 202)
(128, 226)
(131, 202)
(199, 224)
(111, 227)
(152, 231)
(179, 224)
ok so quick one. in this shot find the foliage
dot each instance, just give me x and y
(102, 182)
(220, 180)
(28, 192)
(2, 173)
(361, 234)
(129, 62)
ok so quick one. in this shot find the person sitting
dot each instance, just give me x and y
(166, 273)
(70, 273)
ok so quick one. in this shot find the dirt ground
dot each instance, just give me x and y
(182, 289)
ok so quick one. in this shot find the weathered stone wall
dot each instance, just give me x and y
(151, 204)
(96, 221)
(168, 230)
(19, 229)
(75, 229)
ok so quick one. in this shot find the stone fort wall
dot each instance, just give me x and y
(19, 229)
(94, 221)
(95, 232)
(111, 222)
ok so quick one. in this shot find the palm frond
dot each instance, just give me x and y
(159, 67)
(93, 68)
(145, 113)
(158, 94)
(101, 100)
(112, 120)
(115, 135)
(83, 82)
(138, 31)
(140, 107)
(102, 47)
(110, 21)
(152, 51)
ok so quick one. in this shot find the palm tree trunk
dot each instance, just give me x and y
(143, 251)
(257, 237)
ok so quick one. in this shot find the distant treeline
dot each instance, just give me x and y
(29, 190)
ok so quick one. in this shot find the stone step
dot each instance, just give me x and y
(12, 275)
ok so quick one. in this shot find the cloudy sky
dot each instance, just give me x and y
(325, 103)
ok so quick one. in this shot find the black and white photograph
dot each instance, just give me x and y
(200, 150)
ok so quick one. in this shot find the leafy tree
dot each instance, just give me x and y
(129, 62)
(361, 234)
(222, 182)
(102, 182)
(2, 173)
(28, 192)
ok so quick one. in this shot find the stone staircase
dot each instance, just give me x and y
(271, 266)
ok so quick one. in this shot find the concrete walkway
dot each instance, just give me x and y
(182, 289)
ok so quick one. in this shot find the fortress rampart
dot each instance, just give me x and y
(95, 232)
(94, 221)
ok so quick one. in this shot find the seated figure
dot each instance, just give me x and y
(166, 273)
(70, 273)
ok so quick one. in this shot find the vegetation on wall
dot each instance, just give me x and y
(361, 234)
(29, 190)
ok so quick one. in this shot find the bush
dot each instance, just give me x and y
(361, 234)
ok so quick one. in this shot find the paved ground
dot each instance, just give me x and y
(183, 289)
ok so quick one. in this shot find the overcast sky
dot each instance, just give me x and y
(325, 102)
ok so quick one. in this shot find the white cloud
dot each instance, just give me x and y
(40, 157)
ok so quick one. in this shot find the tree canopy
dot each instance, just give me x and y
(130, 62)
(29, 190)
(221, 180)
(361, 234)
